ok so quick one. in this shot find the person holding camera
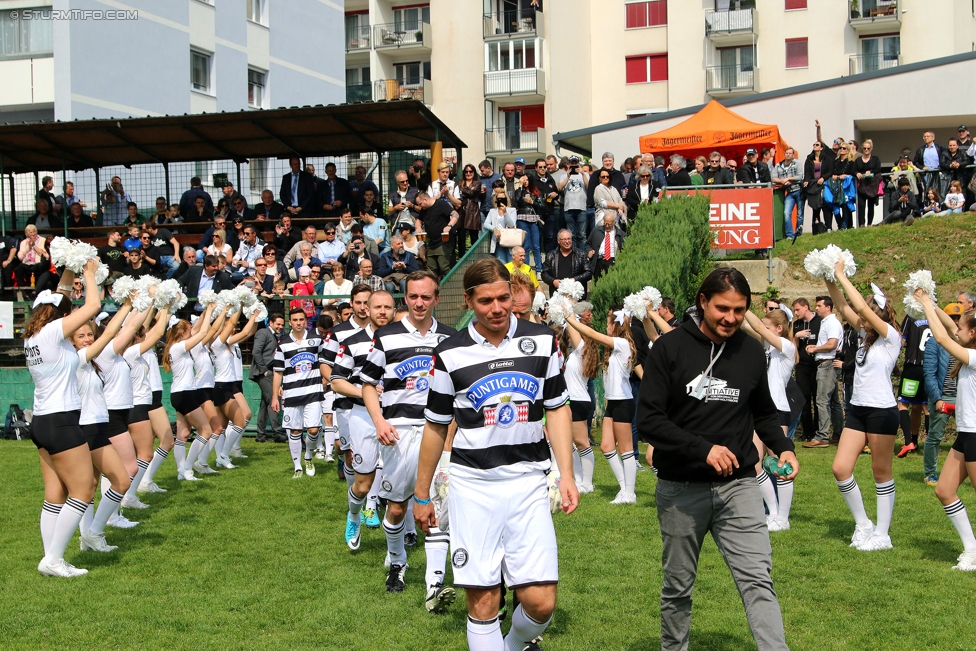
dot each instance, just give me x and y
(573, 188)
(502, 216)
(356, 253)
(403, 202)
(528, 201)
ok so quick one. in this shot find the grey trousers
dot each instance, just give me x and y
(264, 412)
(733, 513)
(828, 404)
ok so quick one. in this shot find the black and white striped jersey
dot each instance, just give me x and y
(349, 361)
(338, 334)
(299, 362)
(498, 397)
(401, 359)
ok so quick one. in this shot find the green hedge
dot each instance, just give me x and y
(668, 247)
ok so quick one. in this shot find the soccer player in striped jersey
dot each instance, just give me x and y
(346, 382)
(498, 377)
(401, 361)
(297, 372)
(330, 347)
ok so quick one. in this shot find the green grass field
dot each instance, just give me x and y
(252, 559)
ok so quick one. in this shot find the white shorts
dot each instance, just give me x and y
(400, 464)
(502, 526)
(341, 422)
(365, 447)
(302, 417)
(327, 402)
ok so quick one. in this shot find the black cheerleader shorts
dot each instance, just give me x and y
(58, 432)
(118, 422)
(95, 433)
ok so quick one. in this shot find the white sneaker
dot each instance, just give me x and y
(861, 534)
(328, 458)
(133, 503)
(875, 543)
(967, 562)
(119, 521)
(95, 542)
(625, 498)
(585, 488)
(235, 453)
(775, 524)
(320, 455)
(186, 474)
(59, 568)
(149, 487)
(224, 462)
(784, 525)
(309, 468)
(202, 469)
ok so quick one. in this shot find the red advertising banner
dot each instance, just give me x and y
(739, 218)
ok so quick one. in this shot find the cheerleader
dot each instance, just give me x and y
(159, 420)
(203, 367)
(66, 464)
(183, 396)
(873, 418)
(961, 462)
(140, 426)
(579, 403)
(234, 449)
(227, 358)
(94, 417)
(618, 360)
(781, 356)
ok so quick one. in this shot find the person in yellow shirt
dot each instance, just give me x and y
(518, 264)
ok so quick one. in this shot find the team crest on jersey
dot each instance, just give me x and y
(287, 418)
(460, 558)
(387, 486)
(497, 383)
(342, 440)
(422, 363)
(527, 346)
(358, 458)
(420, 384)
(506, 414)
(302, 362)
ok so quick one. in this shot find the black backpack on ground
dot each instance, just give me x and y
(16, 427)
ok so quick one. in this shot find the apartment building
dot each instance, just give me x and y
(506, 74)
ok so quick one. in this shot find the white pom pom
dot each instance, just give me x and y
(921, 279)
(123, 288)
(167, 293)
(60, 246)
(207, 297)
(245, 296)
(101, 274)
(179, 304)
(560, 307)
(651, 295)
(572, 288)
(256, 308)
(636, 305)
(71, 255)
(819, 263)
(539, 302)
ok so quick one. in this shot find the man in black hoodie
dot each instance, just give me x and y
(703, 393)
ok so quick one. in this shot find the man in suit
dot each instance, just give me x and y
(297, 191)
(265, 344)
(239, 210)
(268, 208)
(188, 200)
(605, 242)
(198, 279)
(566, 262)
(334, 193)
(677, 175)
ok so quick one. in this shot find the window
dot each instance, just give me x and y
(796, 53)
(257, 171)
(512, 55)
(255, 11)
(647, 14)
(357, 31)
(256, 83)
(409, 19)
(356, 76)
(880, 52)
(647, 67)
(410, 74)
(734, 5)
(795, 4)
(20, 36)
(200, 71)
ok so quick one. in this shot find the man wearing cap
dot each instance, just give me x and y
(902, 204)
(519, 167)
(940, 386)
(753, 171)
(928, 157)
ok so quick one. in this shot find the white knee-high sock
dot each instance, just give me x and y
(587, 462)
(616, 467)
(179, 453)
(159, 456)
(86, 520)
(108, 506)
(630, 472)
(355, 506)
(237, 440)
(959, 518)
(852, 496)
(311, 442)
(436, 545)
(143, 466)
(295, 447)
(485, 635)
(216, 442)
(49, 517)
(105, 484)
(232, 439)
(410, 523)
(394, 542)
(65, 528)
(886, 506)
(524, 629)
(374, 490)
(350, 475)
(577, 467)
(197, 448)
(768, 494)
(784, 487)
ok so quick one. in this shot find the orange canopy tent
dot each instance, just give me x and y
(714, 128)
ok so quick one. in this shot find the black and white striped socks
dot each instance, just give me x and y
(394, 542)
(886, 506)
(159, 456)
(616, 467)
(65, 527)
(106, 509)
(484, 635)
(959, 518)
(295, 447)
(852, 496)
(436, 546)
(355, 505)
(49, 516)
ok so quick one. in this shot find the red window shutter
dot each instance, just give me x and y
(657, 13)
(659, 67)
(797, 53)
(636, 70)
(796, 4)
(533, 117)
(637, 15)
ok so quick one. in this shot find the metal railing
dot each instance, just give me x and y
(511, 140)
(729, 79)
(402, 34)
(873, 10)
(518, 21)
(420, 89)
(871, 62)
(359, 93)
(358, 38)
(451, 308)
(515, 82)
(729, 22)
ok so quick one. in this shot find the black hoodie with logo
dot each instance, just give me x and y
(683, 414)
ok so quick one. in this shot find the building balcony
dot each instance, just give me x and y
(358, 38)
(388, 89)
(871, 62)
(725, 81)
(509, 23)
(413, 36)
(733, 27)
(874, 16)
(503, 140)
(526, 84)
(359, 93)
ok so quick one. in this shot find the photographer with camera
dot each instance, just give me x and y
(355, 254)
(573, 188)
(417, 176)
